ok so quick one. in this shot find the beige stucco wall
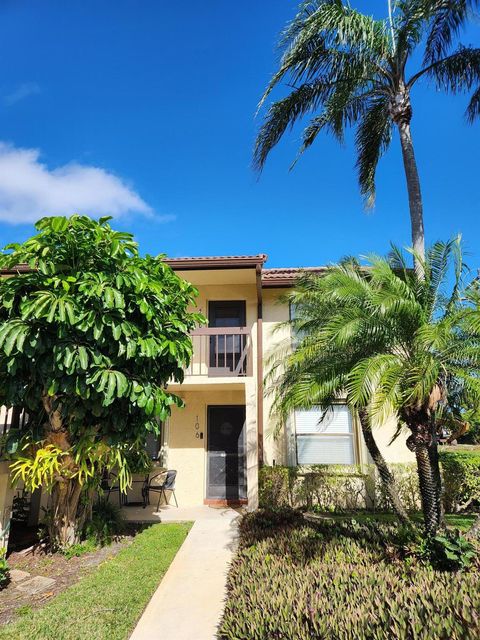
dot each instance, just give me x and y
(275, 337)
(6, 498)
(186, 453)
(282, 449)
(397, 451)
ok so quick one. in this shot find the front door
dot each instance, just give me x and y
(226, 461)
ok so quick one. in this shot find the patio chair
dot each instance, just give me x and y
(110, 484)
(160, 483)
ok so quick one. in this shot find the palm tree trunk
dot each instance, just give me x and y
(437, 476)
(428, 491)
(384, 472)
(423, 443)
(414, 193)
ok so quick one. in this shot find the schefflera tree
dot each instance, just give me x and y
(90, 335)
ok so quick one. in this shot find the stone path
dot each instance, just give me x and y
(189, 601)
(31, 586)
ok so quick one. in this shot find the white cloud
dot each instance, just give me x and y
(22, 91)
(30, 190)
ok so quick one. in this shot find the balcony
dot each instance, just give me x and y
(221, 352)
(11, 418)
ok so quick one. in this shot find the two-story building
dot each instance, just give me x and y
(225, 431)
(218, 440)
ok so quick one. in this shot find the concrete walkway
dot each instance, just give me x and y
(188, 603)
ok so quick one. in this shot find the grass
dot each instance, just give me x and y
(462, 521)
(106, 604)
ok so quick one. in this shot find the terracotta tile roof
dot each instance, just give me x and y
(275, 277)
(216, 262)
(285, 276)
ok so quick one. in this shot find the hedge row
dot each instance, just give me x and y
(461, 474)
(291, 579)
(334, 487)
(337, 488)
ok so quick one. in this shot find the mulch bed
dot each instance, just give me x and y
(65, 572)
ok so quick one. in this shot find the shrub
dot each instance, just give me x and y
(4, 572)
(452, 551)
(323, 487)
(333, 488)
(338, 581)
(106, 523)
(337, 488)
(80, 548)
(461, 477)
(406, 480)
(276, 486)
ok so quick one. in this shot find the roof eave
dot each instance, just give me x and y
(216, 262)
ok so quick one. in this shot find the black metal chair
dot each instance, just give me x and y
(110, 484)
(160, 483)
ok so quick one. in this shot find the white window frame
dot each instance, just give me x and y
(350, 436)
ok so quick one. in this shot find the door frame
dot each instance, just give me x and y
(224, 502)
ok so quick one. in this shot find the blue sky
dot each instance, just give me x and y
(147, 109)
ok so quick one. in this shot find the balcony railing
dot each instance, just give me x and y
(11, 418)
(221, 352)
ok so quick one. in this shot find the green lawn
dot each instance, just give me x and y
(462, 521)
(106, 604)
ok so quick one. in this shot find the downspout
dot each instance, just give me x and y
(259, 364)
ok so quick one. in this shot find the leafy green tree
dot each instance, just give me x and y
(392, 343)
(349, 69)
(89, 338)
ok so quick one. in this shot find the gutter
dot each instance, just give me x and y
(216, 262)
(259, 365)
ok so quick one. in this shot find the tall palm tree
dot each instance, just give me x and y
(391, 343)
(349, 69)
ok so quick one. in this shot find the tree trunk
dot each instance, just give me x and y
(437, 476)
(424, 446)
(414, 193)
(385, 474)
(63, 525)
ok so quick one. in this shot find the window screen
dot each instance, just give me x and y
(325, 441)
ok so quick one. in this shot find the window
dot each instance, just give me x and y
(227, 351)
(325, 441)
(226, 313)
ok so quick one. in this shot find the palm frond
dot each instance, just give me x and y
(446, 19)
(283, 114)
(409, 26)
(372, 139)
(456, 73)
(473, 109)
(332, 41)
(343, 109)
(341, 25)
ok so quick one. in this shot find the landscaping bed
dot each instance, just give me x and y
(297, 580)
(97, 596)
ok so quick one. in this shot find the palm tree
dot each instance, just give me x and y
(349, 69)
(391, 343)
